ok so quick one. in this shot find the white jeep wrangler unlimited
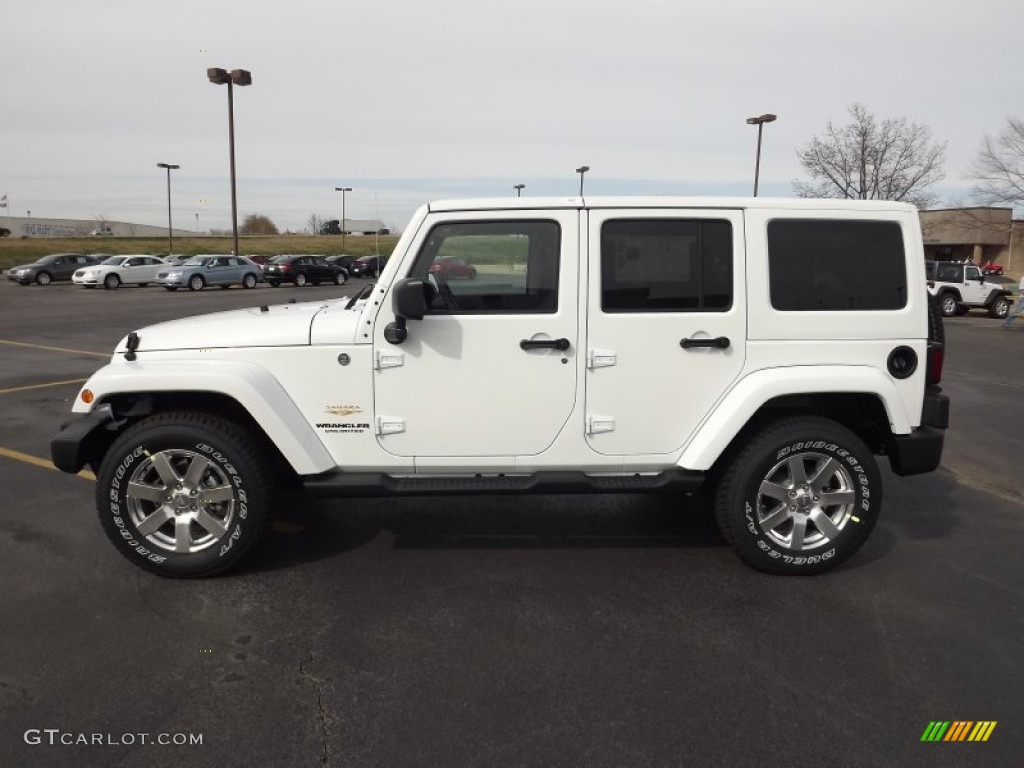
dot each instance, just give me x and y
(762, 350)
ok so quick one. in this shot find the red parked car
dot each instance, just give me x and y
(453, 267)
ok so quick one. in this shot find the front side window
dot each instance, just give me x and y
(666, 265)
(491, 267)
(837, 265)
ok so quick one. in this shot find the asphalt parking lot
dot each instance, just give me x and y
(546, 631)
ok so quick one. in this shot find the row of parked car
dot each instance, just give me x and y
(194, 272)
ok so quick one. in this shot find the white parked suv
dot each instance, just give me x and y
(959, 287)
(764, 351)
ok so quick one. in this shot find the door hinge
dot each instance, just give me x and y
(390, 425)
(382, 359)
(601, 358)
(597, 424)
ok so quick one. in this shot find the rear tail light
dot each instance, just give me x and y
(936, 356)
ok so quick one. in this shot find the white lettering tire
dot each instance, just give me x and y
(800, 497)
(185, 494)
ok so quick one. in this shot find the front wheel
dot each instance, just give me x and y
(44, 278)
(184, 494)
(340, 278)
(1000, 307)
(196, 283)
(111, 282)
(300, 279)
(800, 497)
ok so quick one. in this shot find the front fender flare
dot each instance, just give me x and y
(251, 386)
(736, 409)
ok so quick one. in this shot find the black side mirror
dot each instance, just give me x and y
(408, 302)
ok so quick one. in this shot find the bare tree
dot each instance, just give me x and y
(258, 224)
(999, 167)
(315, 223)
(872, 160)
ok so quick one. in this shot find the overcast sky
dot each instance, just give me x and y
(411, 101)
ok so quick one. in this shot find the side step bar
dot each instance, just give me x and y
(339, 484)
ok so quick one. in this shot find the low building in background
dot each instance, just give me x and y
(985, 236)
(30, 226)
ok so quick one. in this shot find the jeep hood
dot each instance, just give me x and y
(268, 326)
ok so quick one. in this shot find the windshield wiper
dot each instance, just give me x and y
(365, 293)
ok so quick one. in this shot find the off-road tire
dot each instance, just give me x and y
(801, 473)
(1000, 307)
(150, 493)
(948, 302)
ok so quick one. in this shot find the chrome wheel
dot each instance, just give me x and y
(805, 501)
(180, 501)
(948, 305)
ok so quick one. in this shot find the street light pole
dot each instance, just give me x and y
(170, 231)
(759, 121)
(235, 77)
(519, 189)
(581, 171)
(344, 225)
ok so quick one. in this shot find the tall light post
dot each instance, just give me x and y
(759, 121)
(581, 171)
(232, 78)
(170, 236)
(344, 224)
(519, 189)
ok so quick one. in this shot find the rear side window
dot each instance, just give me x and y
(837, 265)
(666, 265)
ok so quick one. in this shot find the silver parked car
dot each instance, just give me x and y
(201, 271)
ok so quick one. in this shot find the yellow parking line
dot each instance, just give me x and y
(55, 349)
(38, 462)
(41, 386)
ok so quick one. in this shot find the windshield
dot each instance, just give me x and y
(115, 259)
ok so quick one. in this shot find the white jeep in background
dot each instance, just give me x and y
(762, 351)
(959, 287)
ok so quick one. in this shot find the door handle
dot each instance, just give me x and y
(721, 342)
(559, 344)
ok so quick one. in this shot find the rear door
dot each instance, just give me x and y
(666, 329)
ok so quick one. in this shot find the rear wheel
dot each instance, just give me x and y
(948, 304)
(44, 278)
(185, 494)
(1000, 307)
(196, 283)
(800, 497)
(111, 282)
(249, 281)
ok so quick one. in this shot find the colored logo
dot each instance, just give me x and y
(343, 410)
(958, 730)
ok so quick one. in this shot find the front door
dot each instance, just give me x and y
(666, 324)
(489, 371)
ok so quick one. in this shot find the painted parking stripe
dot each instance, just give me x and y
(105, 355)
(280, 526)
(42, 386)
(38, 462)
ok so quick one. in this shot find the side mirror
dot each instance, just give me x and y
(408, 302)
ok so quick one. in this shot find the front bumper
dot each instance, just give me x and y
(71, 448)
